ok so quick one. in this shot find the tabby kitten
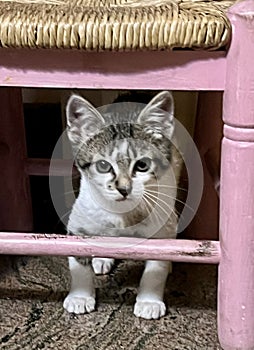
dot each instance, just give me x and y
(129, 173)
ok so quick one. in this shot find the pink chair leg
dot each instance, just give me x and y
(15, 201)
(236, 269)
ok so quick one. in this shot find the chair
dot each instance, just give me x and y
(124, 44)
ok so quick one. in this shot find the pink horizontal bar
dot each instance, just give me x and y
(112, 247)
(175, 70)
(56, 167)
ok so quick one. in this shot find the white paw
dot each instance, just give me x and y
(149, 309)
(79, 305)
(101, 266)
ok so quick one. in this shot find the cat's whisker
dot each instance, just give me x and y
(156, 214)
(62, 195)
(157, 192)
(147, 205)
(173, 210)
(70, 192)
(70, 182)
(71, 177)
(167, 186)
(176, 212)
(160, 206)
(160, 217)
(161, 193)
(171, 197)
(62, 217)
(151, 193)
(185, 204)
(166, 195)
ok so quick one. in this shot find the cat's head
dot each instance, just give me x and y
(124, 149)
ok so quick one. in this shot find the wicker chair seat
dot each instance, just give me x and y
(115, 24)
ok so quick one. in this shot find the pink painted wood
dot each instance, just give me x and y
(120, 248)
(236, 269)
(177, 70)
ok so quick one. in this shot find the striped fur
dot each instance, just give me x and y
(121, 134)
(129, 175)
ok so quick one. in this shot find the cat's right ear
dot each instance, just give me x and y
(158, 115)
(83, 120)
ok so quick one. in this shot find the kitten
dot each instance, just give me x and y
(129, 174)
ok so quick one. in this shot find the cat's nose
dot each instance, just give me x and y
(124, 190)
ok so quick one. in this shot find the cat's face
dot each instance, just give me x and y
(120, 173)
(123, 158)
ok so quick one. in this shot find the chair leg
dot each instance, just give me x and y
(15, 200)
(236, 269)
(207, 136)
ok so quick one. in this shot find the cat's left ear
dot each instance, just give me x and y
(158, 115)
(83, 120)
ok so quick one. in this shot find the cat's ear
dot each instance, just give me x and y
(158, 116)
(83, 120)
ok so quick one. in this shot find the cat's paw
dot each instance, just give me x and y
(79, 305)
(102, 266)
(149, 309)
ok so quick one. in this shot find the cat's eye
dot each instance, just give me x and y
(102, 166)
(143, 165)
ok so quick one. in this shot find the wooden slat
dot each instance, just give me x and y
(46, 167)
(207, 137)
(15, 200)
(157, 70)
(112, 247)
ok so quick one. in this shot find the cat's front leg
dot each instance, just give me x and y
(102, 266)
(81, 298)
(149, 302)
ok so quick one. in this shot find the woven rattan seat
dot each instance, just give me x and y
(115, 24)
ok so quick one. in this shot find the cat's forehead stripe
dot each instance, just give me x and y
(131, 137)
(121, 149)
(132, 153)
(123, 146)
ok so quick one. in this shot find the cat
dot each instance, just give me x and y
(129, 168)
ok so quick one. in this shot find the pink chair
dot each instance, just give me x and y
(231, 71)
